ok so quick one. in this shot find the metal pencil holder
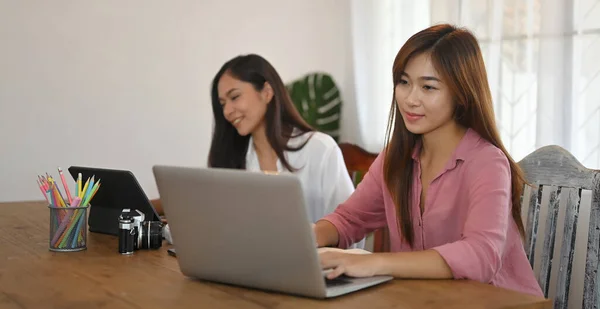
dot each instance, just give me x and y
(68, 228)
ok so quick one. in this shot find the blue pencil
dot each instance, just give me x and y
(52, 201)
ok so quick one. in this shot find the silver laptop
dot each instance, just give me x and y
(247, 229)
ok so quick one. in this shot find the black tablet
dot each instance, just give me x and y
(119, 189)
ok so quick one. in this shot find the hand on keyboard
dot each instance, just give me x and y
(352, 265)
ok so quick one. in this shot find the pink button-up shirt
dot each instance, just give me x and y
(466, 217)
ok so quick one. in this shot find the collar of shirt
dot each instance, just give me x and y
(252, 163)
(461, 153)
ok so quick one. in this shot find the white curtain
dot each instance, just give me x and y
(542, 59)
(377, 36)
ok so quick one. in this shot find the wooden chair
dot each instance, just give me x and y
(561, 214)
(358, 162)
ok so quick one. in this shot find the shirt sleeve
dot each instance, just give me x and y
(478, 254)
(364, 210)
(337, 185)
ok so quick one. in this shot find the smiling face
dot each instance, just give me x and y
(243, 106)
(422, 97)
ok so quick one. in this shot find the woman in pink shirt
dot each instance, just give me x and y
(445, 186)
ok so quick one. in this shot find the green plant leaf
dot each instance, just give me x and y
(318, 99)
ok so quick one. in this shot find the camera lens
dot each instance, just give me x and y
(151, 235)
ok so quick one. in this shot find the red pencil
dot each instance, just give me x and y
(64, 182)
(42, 189)
(44, 183)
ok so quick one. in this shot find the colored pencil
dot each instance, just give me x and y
(87, 182)
(64, 183)
(68, 224)
(79, 184)
(88, 190)
(41, 186)
(91, 192)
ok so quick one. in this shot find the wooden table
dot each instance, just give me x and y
(31, 276)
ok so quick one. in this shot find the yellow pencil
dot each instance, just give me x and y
(79, 185)
(58, 197)
(87, 182)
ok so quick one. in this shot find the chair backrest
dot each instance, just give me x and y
(561, 214)
(358, 162)
(318, 99)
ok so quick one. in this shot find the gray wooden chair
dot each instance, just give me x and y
(561, 214)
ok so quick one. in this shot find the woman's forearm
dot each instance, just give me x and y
(427, 264)
(326, 234)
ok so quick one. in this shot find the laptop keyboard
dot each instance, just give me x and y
(341, 280)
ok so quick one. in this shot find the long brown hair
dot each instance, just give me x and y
(456, 55)
(228, 148)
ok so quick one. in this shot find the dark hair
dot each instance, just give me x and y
(228, 148)
(457, 57)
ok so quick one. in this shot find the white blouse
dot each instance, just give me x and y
(320, 168)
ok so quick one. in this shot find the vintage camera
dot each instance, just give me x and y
(135, 233)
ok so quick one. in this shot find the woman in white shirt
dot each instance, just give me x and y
(257, 128)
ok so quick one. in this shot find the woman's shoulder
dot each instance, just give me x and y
(317, 142)
(484, 157)
(320, 139)
(484, 151)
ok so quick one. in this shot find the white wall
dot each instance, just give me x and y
(125, 84)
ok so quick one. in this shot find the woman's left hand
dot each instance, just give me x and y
(350, 264)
